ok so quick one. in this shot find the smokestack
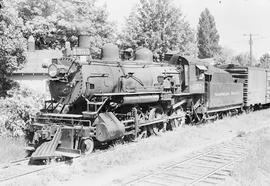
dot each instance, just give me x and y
(31, 44)
(84, 41)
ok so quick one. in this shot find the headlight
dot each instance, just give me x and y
(53, 70)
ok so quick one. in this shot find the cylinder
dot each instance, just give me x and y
(105, 132)
(108, 127)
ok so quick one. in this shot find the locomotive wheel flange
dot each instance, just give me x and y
(87, 146)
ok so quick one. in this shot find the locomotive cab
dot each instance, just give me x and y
(192, 73)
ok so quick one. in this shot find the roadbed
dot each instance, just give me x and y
(125, 161)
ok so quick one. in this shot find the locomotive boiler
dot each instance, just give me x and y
(97, 101)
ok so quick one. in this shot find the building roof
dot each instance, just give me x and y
(37, 58)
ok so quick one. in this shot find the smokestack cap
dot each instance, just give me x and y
(144, 54)
(110, 52)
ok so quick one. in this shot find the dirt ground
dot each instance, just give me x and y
(123, 161)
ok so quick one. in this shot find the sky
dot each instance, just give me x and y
(233, 18)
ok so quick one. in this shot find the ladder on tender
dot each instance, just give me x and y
(94, 106)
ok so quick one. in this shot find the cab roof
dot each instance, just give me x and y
(177, 59)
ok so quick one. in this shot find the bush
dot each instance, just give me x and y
(16, 110)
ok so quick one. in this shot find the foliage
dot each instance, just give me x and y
(84, 16)
(16, 109)
(207, 36)
(38, 21)
(243, 59)
(224, 56)
(12, 45)
(52, 22)
(265, 61)
(159, 26)
(254, 168)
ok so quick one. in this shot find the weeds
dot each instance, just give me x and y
(240, 134)
(11, 149)
(255, 168)
(16, 110)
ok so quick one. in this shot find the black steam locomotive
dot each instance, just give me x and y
(95, 102)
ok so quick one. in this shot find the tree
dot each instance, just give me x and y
(224, 56)
(243, 59)
(207, 36)
(38, 20)
(12, 45)
(86, 16)
(265, 60)
(52, 22)
(159, 26)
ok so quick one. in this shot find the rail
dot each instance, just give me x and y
(208, 167)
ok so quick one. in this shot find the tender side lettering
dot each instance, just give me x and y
(226, 93)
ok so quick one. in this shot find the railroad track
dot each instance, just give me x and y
(211, 166)
(17, 169)
(207, 167)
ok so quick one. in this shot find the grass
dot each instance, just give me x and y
(124, 159)
(11, 149)
(120, 162)
(255, 168)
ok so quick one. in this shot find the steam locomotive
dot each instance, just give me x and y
(95, 102)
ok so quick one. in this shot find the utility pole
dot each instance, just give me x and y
(250, 47)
